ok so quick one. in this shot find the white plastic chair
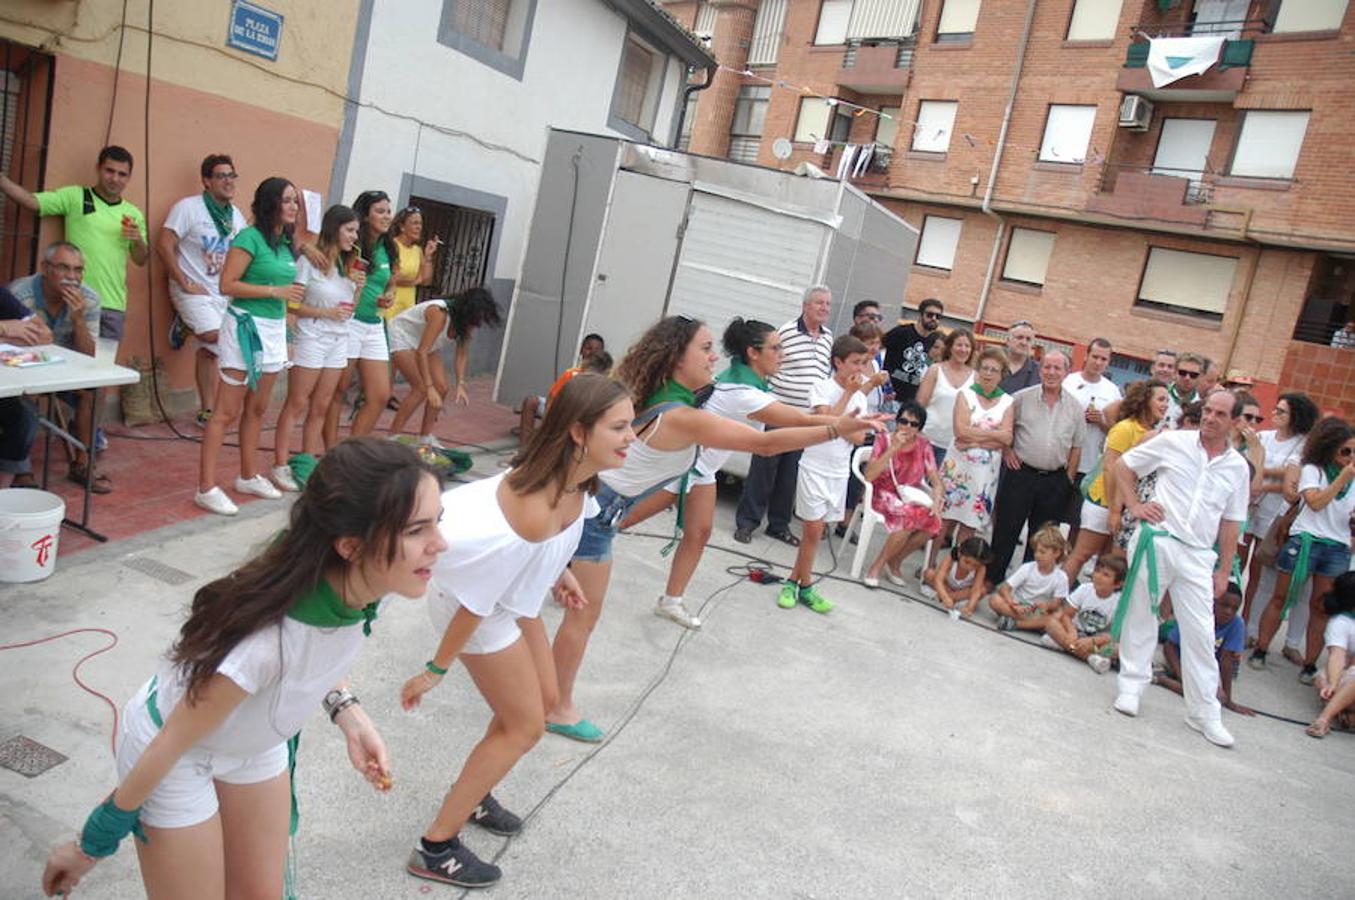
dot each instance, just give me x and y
(869, 517)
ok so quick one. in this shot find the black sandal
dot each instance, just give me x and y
(784, 537)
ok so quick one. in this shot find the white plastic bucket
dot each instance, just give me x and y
(30, 526)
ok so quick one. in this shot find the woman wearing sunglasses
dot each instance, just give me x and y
(903, 477)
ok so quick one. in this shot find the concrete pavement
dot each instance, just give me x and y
(882, 750)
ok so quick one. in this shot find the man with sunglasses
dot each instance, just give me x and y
(192, 246)
(907, 349)
(1184, 388)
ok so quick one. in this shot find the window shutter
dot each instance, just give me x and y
(1269, 143)
(483, 21)
(636, 64)
(1310, 15)
(958, 17)
(883, 19)
(833, 17)
(1028, 256)
(767, 30)
(1067, 133)
(935, 121)
(936, 246)
(1197, 281)
(1094, 20)
(813, 121)
(887, 131)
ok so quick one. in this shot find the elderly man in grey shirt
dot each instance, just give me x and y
(1042, 463)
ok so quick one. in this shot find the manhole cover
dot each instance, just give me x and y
(27, 757)
(157, 570)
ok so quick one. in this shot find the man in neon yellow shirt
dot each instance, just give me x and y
(106, 228)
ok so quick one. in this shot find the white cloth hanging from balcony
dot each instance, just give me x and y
(1173, 58)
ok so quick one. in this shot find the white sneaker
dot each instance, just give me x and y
(678, 613)
(893, 578)
(1100, 664)
(1127, 704)
(1047, 640)
(927, 591)
(428, 440)
(1213, 731)
(258, 486)
(954, 613)
(870, 581)
(215, 501)
(282, 477)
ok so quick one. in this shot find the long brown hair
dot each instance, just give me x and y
(327, 243)
(366, 488)
(650, 361)
(1138, 399)
(546, 459)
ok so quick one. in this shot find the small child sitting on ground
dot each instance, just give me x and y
(1082, 626)
(959, 577)
(1336, 682)
(1037, 589)
(1230, 638)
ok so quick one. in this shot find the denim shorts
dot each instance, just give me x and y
(595, 545)
(1328, 560)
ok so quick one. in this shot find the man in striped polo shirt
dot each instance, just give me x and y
(806, 357)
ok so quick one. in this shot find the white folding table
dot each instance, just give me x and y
(75, 372)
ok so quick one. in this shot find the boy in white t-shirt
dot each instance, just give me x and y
(821, 487)
(1035, 591)
(1082, 624)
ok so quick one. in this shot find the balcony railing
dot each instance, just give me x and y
(903, 55)
(1237, 48)
(1236, 54)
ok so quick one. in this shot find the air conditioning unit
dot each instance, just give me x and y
(1135, 112)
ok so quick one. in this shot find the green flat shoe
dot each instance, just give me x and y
(582, 730)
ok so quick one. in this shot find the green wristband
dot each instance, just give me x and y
(434, 668)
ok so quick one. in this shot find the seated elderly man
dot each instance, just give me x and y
(18, 421)
(58, 296)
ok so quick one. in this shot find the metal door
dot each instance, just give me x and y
(464, 258)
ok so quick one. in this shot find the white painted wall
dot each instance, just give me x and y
(493, 127)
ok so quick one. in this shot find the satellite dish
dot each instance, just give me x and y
(781, 148)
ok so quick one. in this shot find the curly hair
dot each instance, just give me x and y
(1137, 402)
(1325, 439)
(1303, 412)
(650, 361)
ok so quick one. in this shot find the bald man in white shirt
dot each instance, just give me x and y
(1199, 502)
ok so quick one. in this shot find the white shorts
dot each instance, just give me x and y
(496, 631)
(186, 795)
(820, 497)
(401, 339)
(367, 340)
(1095, 517)
(320, 351)
(272, 335)
(200, 312)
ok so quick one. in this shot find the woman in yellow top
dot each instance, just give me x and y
(415, 265)
(1143, 406)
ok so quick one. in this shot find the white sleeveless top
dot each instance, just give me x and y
(487, 565)
(940, 427)
(406, 329)
(646, 467)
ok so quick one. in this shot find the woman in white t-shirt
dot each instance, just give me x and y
(320, 348)
(417, 337)
(1319, 540)
(740, 393)
(203, 747)
(1336, 684)
(510, 538)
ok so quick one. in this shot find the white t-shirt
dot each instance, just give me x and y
(286, 669)
(202, 251)
(1278, 453)
(408, 326)
(487, 565)
(1333, 520)
(1029, 584)
(323, 292)
(1341, 633)
(735, 402)
(831, 458)
(1094, 612)
(1100, 393)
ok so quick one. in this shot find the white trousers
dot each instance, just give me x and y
(1188, 573)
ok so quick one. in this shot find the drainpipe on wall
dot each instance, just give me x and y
(687, 95)
(987, 206)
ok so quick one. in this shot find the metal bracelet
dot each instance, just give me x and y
(343, 704)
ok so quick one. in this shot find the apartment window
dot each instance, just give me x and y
(1197, 284)
(705, 20)
(936, 246)
(767, 32)
(495, 32)
(887, 129)
(750, 111)
(1067, 133)
(636, 96)
(872, 19)
(833, 18)
(1094, 20)
(935, 121)
(1269, 142)
(813, 121)
(958, 18)
(1028, 256)
(1310, 15)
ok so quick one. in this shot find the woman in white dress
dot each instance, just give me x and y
(941, 385)
(983, 429)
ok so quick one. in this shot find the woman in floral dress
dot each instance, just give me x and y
(983, 428)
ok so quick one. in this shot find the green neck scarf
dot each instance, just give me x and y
(671, 392)
(1333, 471)
(1180, 401)
(220, 213)
(990, 395)
(323, 608)
(740, 372)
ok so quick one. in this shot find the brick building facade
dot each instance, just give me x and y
(1219, 217)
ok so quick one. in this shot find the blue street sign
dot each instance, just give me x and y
(254, 29)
